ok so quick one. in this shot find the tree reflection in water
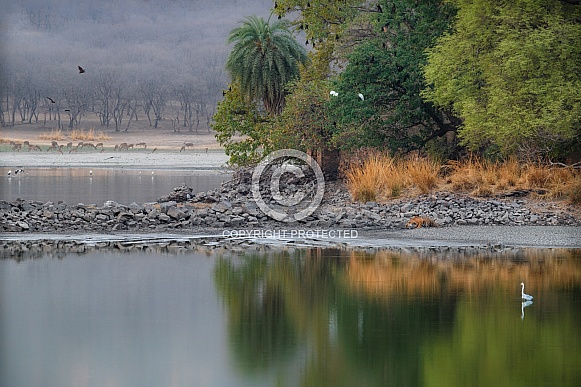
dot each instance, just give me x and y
(332, 317)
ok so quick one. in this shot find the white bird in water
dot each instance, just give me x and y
(91, 172)
(524, 295)
(334, 93)
(361, 96)
(10, 173)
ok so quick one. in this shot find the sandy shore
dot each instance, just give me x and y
(195, 160)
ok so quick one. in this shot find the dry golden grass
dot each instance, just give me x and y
(377, 177)
(381, 176)
(54, 135)
(90, 135)
(423, 174)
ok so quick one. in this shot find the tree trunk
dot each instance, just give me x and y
(328, 159)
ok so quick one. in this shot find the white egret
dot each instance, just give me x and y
(334, 93)
(10, 173)
(525, 296)
(361, 96)
(91, 172)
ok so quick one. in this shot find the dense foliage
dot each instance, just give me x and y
(512, 72)
(386, 69)
(404, 75)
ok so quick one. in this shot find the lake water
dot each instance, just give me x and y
(78, 185)
(312, 317)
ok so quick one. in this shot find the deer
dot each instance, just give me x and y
(123, 145)
(100, 144)
(69, 145)
(88, 145)
(17, 146)
(34, 148)
(144, 145)
(74, 149)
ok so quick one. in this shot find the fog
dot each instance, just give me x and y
(162, 57)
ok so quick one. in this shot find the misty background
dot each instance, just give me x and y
(152, 60)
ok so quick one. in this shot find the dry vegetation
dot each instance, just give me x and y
(75, 134)
(378, 177)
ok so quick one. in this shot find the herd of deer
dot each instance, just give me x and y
(17, 146)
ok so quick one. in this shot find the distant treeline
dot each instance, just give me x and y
(141, 59)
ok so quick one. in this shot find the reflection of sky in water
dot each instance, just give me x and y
(98, 320)
(77, 185)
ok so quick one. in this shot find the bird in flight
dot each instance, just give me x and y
(81, 70)
(51, 100)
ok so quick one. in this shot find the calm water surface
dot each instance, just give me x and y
(125, 186)
(311, 317)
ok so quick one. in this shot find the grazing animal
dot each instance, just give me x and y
(129, 146)
(100, 144)
(154, 149)
(525, 297)
(88, 145)
(74, 149)
(17, 147)
(122, 146)
(189, 144)
(182, 148)
(34, 148)
(418, 221)
(81, 70)
(80, 144)
(69, 145)
(144, 145)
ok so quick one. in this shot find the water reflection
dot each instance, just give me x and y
(306, 317)
(522, 308)
(79, 185)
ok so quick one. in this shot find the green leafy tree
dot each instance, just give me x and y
(239, 127)
(512, 72)
(385, 68)
(265, 57)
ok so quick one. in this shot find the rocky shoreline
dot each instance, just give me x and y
(233, 207)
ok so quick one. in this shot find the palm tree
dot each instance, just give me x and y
(265, 57)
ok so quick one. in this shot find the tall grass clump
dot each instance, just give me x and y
(53, 135)
(90, 135)
(574, 191)
(364, 179)
(423, 174)
(379, 176)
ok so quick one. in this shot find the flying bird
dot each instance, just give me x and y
(51, 100)
(81, 70)
(361, 96)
